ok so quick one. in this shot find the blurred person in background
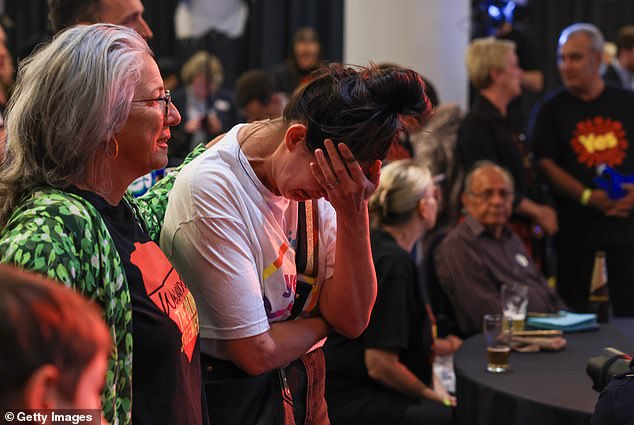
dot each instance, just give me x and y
(579, 127)
(620, 71)
(65, 13)
(305, 56)
(504, 26)
(257, 98)
(487, 133)
(127, 13)
(207, 108)
(609, 52)
(7, 73)
(482, 253)
(55, 345)
(385, 375)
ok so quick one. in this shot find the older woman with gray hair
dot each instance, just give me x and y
(487, 133)
(385, 376)
(89, 115)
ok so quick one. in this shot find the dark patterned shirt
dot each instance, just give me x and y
(472, 266)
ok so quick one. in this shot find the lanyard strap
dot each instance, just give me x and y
(306, 254)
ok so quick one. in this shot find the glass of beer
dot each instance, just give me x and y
(497, 333)
(514, 303)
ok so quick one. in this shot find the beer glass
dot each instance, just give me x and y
(497, 333)
(514, 303)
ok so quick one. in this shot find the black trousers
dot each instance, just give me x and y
(575, 261)
(353, 403)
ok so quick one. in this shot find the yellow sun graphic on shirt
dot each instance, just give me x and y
(599, 141)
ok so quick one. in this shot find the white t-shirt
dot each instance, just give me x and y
(233, 242)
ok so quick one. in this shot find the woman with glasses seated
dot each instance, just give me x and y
(385, 376)
(90, 114)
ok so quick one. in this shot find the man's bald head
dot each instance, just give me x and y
(488, 195)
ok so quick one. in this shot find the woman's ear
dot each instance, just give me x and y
(494, 74)
(295, 134)
(422, 209)
(41, 390)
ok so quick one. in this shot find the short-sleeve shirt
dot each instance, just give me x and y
(579, 137)
(166, 350)
(399, 319)
(233, 241)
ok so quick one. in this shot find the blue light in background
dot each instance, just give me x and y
(508, 11)
(494, 12)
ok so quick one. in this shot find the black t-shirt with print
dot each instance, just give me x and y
(166, 377)
(580, 136)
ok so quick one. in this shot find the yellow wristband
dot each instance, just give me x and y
(446, 402)
(585, 196)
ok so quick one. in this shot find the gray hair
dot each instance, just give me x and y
(486, 164)
(595, 35)
(403, 184)
(71, 97)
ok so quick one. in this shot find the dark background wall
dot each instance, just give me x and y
(265, 42)
(271, 23)
(549, 17)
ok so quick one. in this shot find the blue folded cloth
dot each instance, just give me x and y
(566, 322)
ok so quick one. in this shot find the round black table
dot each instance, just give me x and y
(541, 388)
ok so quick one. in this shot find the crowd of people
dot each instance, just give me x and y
(297, 263)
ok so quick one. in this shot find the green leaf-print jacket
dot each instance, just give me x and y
(62, 236)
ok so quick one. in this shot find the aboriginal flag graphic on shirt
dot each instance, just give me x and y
(166, 352)
(167, 291)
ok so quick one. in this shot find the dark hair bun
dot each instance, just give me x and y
(402, 91)
(362, 107)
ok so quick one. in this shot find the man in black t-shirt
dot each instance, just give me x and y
(581, 126)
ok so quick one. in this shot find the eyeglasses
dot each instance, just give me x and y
(166, 98)
(488, 194)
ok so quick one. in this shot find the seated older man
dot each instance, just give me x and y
(481, 254)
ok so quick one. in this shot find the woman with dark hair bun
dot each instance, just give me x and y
(279, 230)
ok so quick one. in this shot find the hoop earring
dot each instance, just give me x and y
(116, 147)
